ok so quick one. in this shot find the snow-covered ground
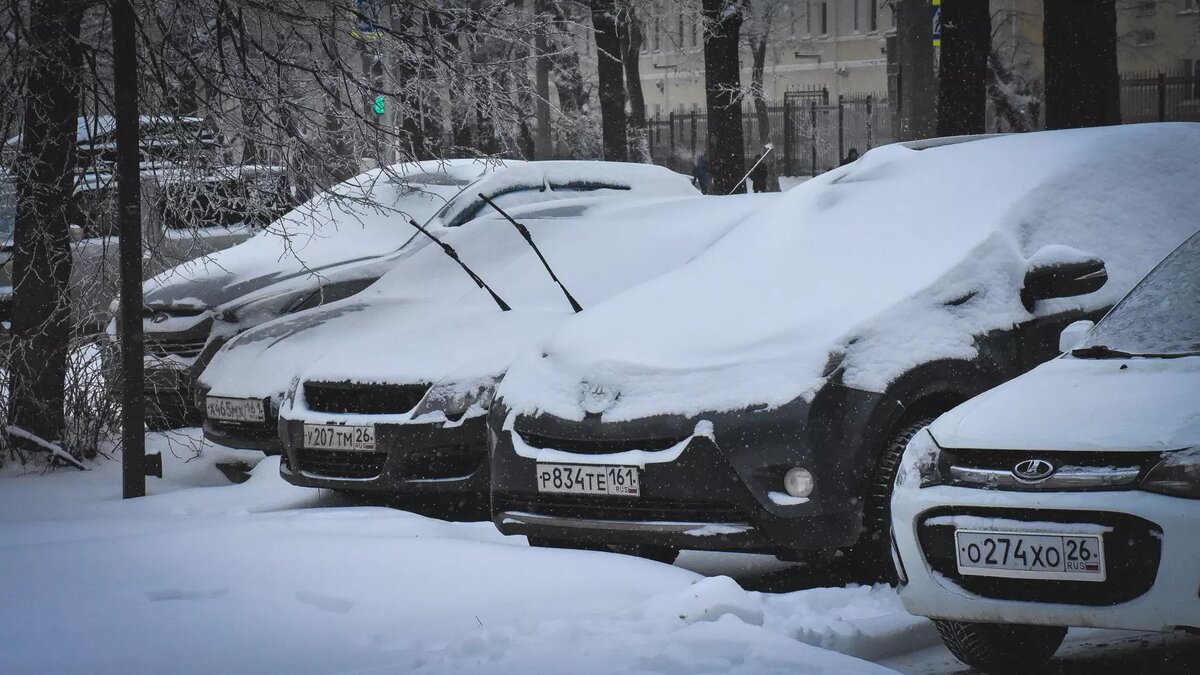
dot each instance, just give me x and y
(206, 576)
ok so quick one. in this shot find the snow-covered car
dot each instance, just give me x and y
(427, 320)
(186, 213)
(759, 398)
(328, 248)
(1068, 496)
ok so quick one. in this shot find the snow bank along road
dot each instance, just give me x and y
(206, 577)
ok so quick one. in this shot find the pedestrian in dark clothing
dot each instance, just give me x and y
(758, 175)
(850, 156)
(700, 173)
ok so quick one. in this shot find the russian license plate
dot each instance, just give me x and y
(339, 437)
(1024, 555)
(235, 409)
(587, 479)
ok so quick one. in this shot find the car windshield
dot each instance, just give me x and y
(1159, 317)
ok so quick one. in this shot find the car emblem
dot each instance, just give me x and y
(597, 398)
(159, 317)
(1033, 470)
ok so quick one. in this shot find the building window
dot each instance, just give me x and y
(873, 15)
(1144, 38)
(854, 14)
(657, 34)
(808, 18)
(696, 23)
(823, 8)
(1190, 6)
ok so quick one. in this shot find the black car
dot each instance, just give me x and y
(759, 398)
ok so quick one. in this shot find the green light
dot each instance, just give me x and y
(380, 105)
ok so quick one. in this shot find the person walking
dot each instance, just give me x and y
(760, 174)
(851, 156)
(700, 173)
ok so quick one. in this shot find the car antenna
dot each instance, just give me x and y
(449, 250)
(529, 239)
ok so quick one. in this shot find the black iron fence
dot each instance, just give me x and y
(813, 132)
(1160, 97)
(810, 132)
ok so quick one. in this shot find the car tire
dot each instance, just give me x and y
(872, 555)
(1000, 648)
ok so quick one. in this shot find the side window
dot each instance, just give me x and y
(95, 211)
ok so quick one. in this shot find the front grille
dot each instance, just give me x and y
(616, 508)
(339, 463)
(187, 349)
(591, 446)
(1110, 470)
(365, 399)
(1132, 550)
(443, 461)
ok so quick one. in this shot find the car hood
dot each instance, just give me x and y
(425, 320)
(1083, 404)
(898, 259)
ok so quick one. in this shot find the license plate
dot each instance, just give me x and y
(586, 479)
(1024, 555)
(235, 409)
(339, 437)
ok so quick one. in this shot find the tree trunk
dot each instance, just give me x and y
(610, 72)
(42, 257)
(916, 82)
(544, 143)
(759, 48)
(631, 45)
(963, 73)
(722, 86)
(1082, 84)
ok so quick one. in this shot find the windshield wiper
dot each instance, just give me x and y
(529, 239)
(449, 250)
(1100, 352)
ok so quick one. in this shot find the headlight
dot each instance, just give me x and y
(921, 462)
(454, 399)
(1177, 475)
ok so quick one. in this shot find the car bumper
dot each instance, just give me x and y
(262, 436)
(409, 459)
(720, 492)
(1153, 582)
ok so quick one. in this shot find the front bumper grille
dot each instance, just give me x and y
(364, 399)
(612, 508)
(589, 446)
(342, 464)
(1074, 470)
(186, 349)
(1132, 551)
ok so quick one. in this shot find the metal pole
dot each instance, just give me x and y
(812, 115)
(133, 439)
(841, 127)
(1162, 97)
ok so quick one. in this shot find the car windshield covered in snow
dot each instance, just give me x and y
(1160, 317)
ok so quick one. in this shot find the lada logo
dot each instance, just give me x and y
(1033, 470)
(596, 398)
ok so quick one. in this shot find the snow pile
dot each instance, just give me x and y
(237, 579)
(426, 321)
(711, 626)
(899, 258)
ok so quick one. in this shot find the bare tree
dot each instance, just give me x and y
(1082, 83)
(611, 76)
(631, 45)
(45, 178)
(722, 84)
(761, 20)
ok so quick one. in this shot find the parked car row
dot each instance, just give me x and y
(611, 360)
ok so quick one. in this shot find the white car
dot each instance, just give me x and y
(1069, 496)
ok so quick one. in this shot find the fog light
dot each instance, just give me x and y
(798, 482)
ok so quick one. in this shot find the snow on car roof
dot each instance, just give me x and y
(899, 258)
(426, 320)
(364, 216)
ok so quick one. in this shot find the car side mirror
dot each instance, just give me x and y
(1073, 334)
(1061, 272)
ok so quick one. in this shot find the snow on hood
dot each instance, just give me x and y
(896, 259)
(1083, 404)
(425, 321)
(364, 217)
